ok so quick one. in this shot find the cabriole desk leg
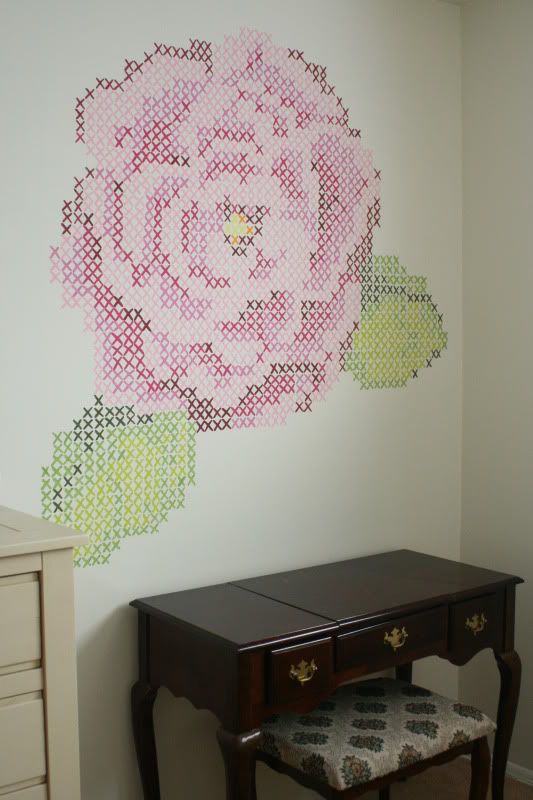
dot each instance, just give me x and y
(510, 668)
(405, 673)
(238, 752)
(142, 705)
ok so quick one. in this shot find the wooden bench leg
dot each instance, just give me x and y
(480, 763)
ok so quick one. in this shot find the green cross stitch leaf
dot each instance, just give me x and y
(400, 330)
(117, 474)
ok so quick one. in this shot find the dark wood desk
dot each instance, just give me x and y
(248, 649)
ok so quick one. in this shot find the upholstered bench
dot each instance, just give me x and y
(370, 734)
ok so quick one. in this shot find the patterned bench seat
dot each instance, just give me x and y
(370, 729)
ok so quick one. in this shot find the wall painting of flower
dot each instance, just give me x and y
(221, 252)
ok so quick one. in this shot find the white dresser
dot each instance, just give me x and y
(39, 752)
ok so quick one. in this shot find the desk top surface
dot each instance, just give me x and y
(313, 600)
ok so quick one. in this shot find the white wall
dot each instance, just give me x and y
(366, 471)
(498, 328)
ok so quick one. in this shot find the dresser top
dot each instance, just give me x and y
(22, 533)
(320, 599)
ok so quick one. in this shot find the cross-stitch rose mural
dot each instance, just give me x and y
(220, 249)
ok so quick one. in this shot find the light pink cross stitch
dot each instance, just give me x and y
(216, 245)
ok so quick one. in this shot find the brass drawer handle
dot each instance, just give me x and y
(303, 672)
(396, 638)
(476, 623)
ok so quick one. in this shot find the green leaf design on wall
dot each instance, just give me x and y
(118, 474)
(400, 330)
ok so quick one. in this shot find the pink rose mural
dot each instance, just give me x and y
(218, 246)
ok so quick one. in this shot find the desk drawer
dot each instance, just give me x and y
(300, 671)
(476, 624)
(20, 634)
(395, 642)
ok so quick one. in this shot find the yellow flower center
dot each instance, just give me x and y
(238, 227)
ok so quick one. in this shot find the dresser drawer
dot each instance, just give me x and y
(300, 671)
(22, 747)
(38, 792)
(20, 626)
(23, 682)
(394, 642)
(476, 624)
